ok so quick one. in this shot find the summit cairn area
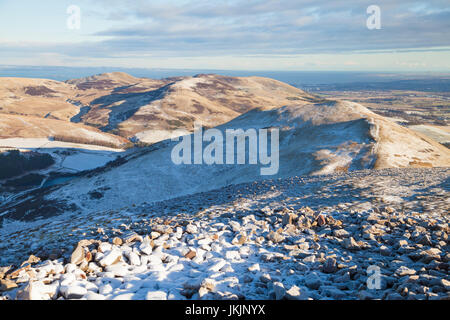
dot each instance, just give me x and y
(341, 236)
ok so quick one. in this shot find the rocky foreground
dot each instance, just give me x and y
(365, 235)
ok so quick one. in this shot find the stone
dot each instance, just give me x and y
(217, 266)
(93, 296)
(125, 296)
(313, 281)
(209, 284)
(146, 248)
(36, 291)
(404, 271)
(104, 247)
(425, 240)
(240, 239)
(156, 295)
(445, 284)
(31, 260)
(265, 278)
(341, 233)
(235, 226)
(351, 244)
(330, 266)
(279, 290)
(117, 241)
(275, 237)
(429, 255)
(289, 219)
(111, 258)
(402, 243)
(73, 292)
(192, 229)
(385, 251)
(310, 259)
(254, 268)
(134, 258)
(321, 220)
(233, 255)
(7, 285)
(78, 255)
(190, 255)
(4, 271)
(294, 293)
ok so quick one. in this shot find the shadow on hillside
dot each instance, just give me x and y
(124, 105)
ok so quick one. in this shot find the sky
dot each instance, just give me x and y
(283, 35)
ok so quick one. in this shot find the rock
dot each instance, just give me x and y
(365, 295)
(235, 226)
(7, 285)
(209, 284)
(425, 240)
(351, 244)
(310, 259)
(289, 219)
(247, 278)
(146, 248)
(36, 291)
(156, 295)
(190, 255)
(4, 271)
(275, 237)
(445, 284)
(341, 233)
(106, 289)
(192, 229)
(134, 258)
(93, 267)
(404, 271)
(104, 247)
(73, 292)
(117, 241)
(240, 239)
(279, 290)
(429, 255)
(78, 255)
(313, 281)
(233, 255)
(111, 258)
(402, 243)
(217, 266)
(330, 266)
(131, 237)
(93, 296)
(385, 251)
(31, 260)
(334, 293)
(163, 229)
(125, 296)
(254, 268)
(394, 296)
(265, 278)
(294, 293)
(321, 220)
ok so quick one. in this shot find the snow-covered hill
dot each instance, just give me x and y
(314, 139)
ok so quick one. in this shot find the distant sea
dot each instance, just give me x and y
(301, 79)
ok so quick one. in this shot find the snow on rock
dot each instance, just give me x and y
(329, 250)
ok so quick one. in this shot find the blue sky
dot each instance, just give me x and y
(233, 34)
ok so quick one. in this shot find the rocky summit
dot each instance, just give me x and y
(340, 236)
